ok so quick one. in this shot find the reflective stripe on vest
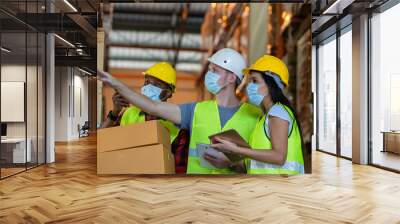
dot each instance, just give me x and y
(259, 141)
(258, 167)
(206, 122)
(133, 115)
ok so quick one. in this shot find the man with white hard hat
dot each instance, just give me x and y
(207, 117)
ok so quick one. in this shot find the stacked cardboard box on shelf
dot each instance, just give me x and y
(135, 149)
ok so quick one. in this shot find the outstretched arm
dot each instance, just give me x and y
(163, 110)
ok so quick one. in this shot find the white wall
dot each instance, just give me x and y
(80, 100)
(33, 127)
(71, 94)
(16, 73)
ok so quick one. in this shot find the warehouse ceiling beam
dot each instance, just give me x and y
(79, 61)
(95, 8)
(122, 58)
(201, 50)
(52, 22)
(84, 24)
(146, 22)
(159, 9)
(16, 19)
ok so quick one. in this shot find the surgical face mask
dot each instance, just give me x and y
(211, 82)
(254, 96)
(152, 92)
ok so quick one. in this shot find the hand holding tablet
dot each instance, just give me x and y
(205, 149)
(233, 137)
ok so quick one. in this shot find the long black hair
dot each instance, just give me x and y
(277, 96)
(276, 93)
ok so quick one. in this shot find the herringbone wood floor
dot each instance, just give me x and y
(69, 191)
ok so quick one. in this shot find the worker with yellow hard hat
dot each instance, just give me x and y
(159, 85)
(276, 142)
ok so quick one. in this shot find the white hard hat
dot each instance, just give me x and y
(230, 60)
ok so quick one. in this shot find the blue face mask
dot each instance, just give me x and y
(254, 96)
(152, 92)
(211, 82)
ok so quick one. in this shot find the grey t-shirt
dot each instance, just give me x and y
(187, 111)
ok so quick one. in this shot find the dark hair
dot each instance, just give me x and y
(276, 93)
(277, 96)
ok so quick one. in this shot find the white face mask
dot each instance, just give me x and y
(152, 92)
(254, 96)
(211, 82)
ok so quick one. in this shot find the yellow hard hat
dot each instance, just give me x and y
(269, 63)
(163, 71)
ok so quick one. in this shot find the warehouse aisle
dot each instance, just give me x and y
(71, 192)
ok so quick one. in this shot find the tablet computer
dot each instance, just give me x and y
(232, 136)
(205, 148)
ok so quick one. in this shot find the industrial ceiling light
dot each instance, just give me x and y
(79, 51)
(70, 5)
(65, 41)
(5, 50)
(86, 72)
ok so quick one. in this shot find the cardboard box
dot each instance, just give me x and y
(135, 149)
(130, 136)
(154, 159)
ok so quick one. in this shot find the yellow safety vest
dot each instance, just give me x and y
(133, 115)
(206, 122)
(259, 141)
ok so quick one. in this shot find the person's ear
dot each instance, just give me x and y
(165, 94)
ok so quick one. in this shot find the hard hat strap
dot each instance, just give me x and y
(276, 77)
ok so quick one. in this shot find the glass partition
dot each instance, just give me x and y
(346, 93)
(327, 96)
(22, 64)
(385, 89)
(14, 153)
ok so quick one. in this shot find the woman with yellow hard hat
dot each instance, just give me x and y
(276, 142)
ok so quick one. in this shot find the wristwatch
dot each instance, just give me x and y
(112, 116)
